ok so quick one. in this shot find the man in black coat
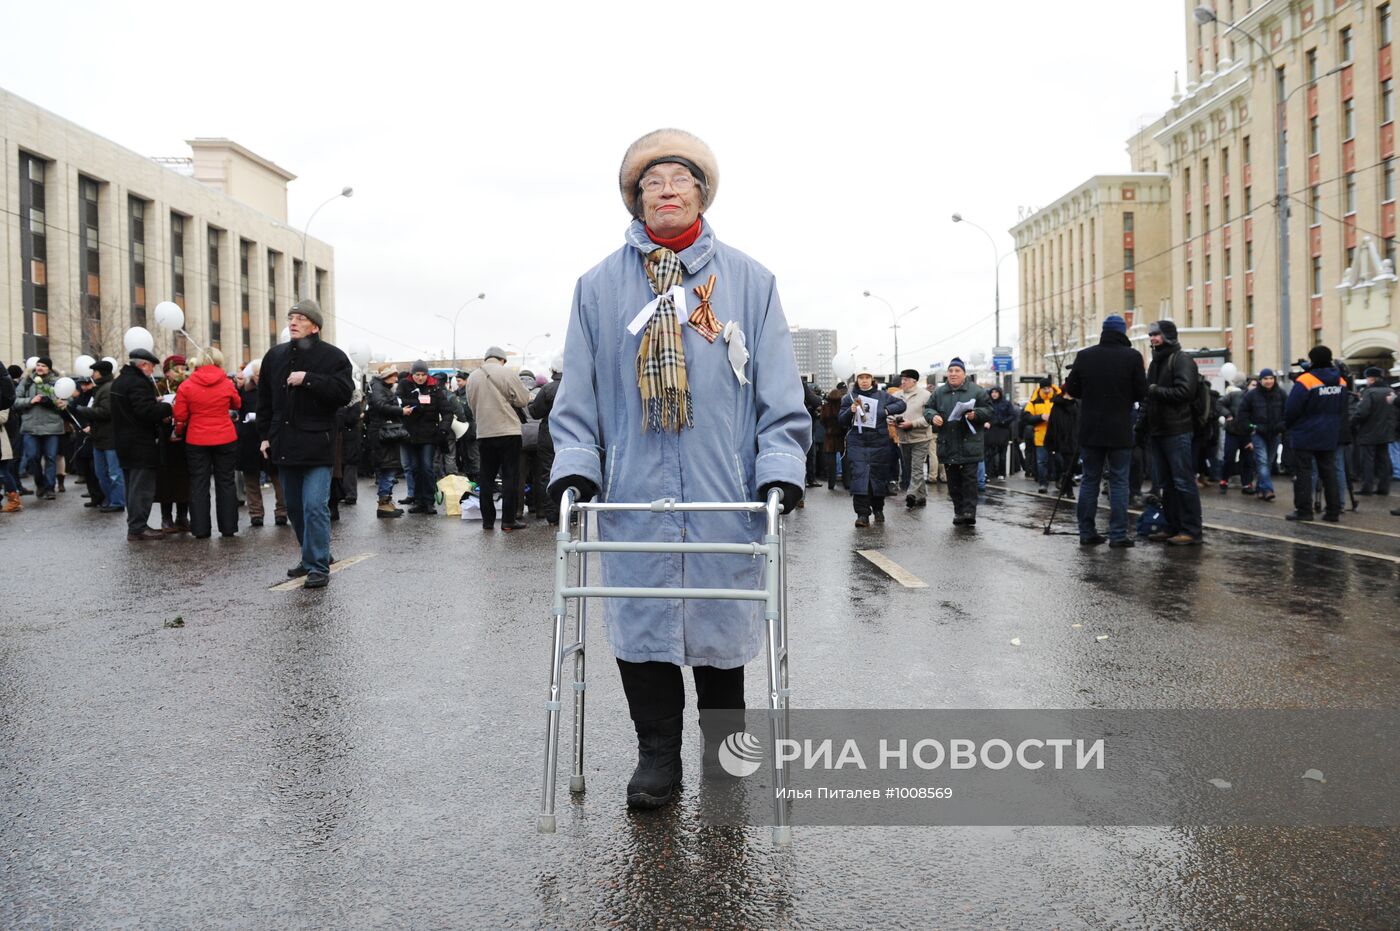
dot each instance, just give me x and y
(1262, 406)
(1108, 379)
(427, 422)
(302, 386)
(137, 415)
(1172, 380)
(1374, 420)
(540, 406)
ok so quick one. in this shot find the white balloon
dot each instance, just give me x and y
(1228, 371)
(65, 388)
(285, 336)
(841, 364)
(31, 362)
(359, 353)
(169, 315)
(138, 337)
(82, 366)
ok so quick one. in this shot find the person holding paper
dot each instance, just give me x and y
(872, 458)
(959, 412)
(426, 416)
(679, 382)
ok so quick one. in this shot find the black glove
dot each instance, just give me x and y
(791, 494)
(587, 491)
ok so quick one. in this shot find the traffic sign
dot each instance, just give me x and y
(1001, 363)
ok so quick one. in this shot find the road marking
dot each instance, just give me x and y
(1335, 547)
(336, 566)
(1328, 524)
(893, 569)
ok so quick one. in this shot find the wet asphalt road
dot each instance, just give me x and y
(369, 756)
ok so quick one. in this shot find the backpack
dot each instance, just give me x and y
(1202, 410)
(1151, 520)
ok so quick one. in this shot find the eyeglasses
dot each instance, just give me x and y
(681, 184)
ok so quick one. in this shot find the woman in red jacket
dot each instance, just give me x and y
(202, 419)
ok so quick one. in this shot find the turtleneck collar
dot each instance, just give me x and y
(684, 240)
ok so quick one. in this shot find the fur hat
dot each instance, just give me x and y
(1166, 328)
(1372, 372)
(387, 369)
(310, 310)
(667, 145)
(170, 362)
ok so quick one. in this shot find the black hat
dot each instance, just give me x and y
(1046, 382)
(44, 360)
(143, 355)
(909, 373)
(418, 366)
(1372, 372)
(1320, 357)
(1165, 327)
(103, 366)
(956, 363)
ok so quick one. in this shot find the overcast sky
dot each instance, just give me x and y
(483, 140)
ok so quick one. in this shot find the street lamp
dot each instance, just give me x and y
(894, 321)
(346, 191)
(526, 348)
(1204, 15)
(997, 258)
(457, 316)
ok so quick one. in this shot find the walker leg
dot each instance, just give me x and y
(545, 824)
(576, 780)
(777, 680)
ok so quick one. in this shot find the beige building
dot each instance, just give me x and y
(1330, 62)
(94, 236)
(1103, 248)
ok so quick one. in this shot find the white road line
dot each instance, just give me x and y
(1266, 536)
(336, 566)
(893, 569)
(1338, 526)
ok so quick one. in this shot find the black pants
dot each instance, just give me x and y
(528, 489)
(996, 460)
(500, 455)
(656, 690)
(864, 504)
(962, 488)
(218, 461)
(1325, 461)
(1375, 467)
(544, 464)
(140, 495)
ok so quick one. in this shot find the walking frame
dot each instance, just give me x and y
(773, 594)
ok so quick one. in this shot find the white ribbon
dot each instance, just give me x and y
(738, 352)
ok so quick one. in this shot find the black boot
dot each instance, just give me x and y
(717, 725)
(658, 772)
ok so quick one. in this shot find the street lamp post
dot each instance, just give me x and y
(1204, 15)
(996, 270)
(894, 322)
(457, 316)
(346, 191)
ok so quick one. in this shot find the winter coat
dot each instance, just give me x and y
(872, 460)
(301, 423)
(915, 400)
(138, 416)
(1171, 391)
(1264, 410)
(44, 418)
(958, 442)
(463, 411)
(540, 407)
(349, 418)
(250, 457)
(1231, 407)
(202, 405)
(496, 396)
(1002, 421)
(428, 420)
(1107, 379)
(383, 408)
(1316, 405)
(1040, 405)
(1062, 434)
(742, 437)
(1375, 415)
(833, 436)
(99, 416)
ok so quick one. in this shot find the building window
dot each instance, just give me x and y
(1188, 225)
(320, 283)
(245, 315)
(296, 280)
(1225, 207)
(1229, 312)
(90, 266)
(1205, 219)
(1249, 255)
(1244, 144)
(1350, 257)
(215, 310)
(1127, 221)
(1208, 278)
(1383, 23)
(1351, 192)
(1349, 119)
(1314, 205)
(1249, 310)
(136, 249)
(1346, 43)
(1129, 298)
(1248, 200)
(1227, 262)
(1387, 100)
(1127, 260)
(1314, 136)
(272, 328)
(1224, 163)
(1317, 276)
(1310, 66)
(1389, 176)
(177, 259)
(1189, 278)
(34, 255)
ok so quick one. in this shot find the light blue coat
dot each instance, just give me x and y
(744, 436)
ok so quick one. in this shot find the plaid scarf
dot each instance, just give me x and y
(661, 358)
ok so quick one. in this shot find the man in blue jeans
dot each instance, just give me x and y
(1108, 379)
(303, 385)
(1263, 406)
(41, 426)
(1172, 380)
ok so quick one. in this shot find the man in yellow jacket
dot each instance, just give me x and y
(1037, 411)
